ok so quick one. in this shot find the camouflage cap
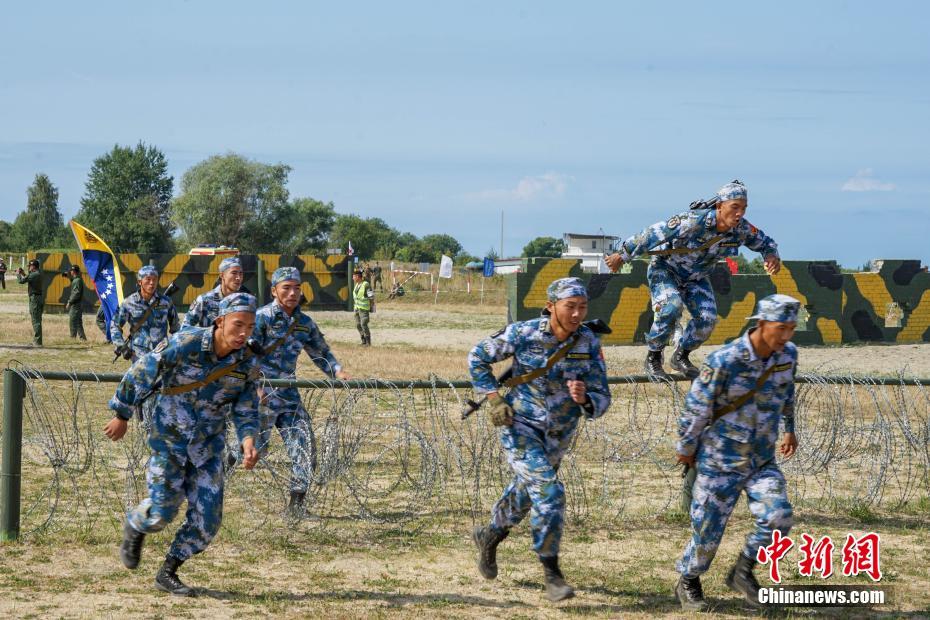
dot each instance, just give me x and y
(284, 273)
(563, 288)
(146, 271)
(734, 190)
(237, 302)
(229, 263)
(778, 308)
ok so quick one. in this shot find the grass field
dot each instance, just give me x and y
(261, 565)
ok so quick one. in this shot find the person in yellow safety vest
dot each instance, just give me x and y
(363, 300)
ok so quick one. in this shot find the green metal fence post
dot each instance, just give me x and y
(14, 390)
(262, 282)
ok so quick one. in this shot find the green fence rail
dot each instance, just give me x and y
(15, 391)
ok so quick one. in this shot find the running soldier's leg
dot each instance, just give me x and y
(667, 305)
(204, 488)
(767, 495)
(715, 494)
(702, 305)
(165, 480)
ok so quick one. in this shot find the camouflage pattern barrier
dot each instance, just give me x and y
(325, 279)
(889, 304)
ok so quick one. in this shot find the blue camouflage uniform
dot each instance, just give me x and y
(283, 408)
(545, 418)
(679, 281)
(186, 436)
(205, 308)
(737, 452)
(161, 320)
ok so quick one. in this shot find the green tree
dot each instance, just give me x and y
(40, 225)
(127, 200)
(544, 246)
(369, 236)
(747, 267)
(312, 221)
(492, 253)
(6, 241)
(441, 244)
(230, 200)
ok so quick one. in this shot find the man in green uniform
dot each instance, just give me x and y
(362, 297)
(33, 281)
(75, 304)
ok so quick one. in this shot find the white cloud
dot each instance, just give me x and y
(544, 186)
(864, 181)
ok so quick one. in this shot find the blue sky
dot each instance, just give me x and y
(438, 116)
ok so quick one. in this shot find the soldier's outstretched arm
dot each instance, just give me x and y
(678, 226)
(245, 415)
(495, 348)
(140, 380)
(699, 406)
(318, 349)
(757, 241)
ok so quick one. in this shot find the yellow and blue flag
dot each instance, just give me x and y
(100, 264)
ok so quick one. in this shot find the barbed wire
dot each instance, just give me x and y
(383, 454)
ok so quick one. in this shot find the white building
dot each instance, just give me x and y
(589, 248)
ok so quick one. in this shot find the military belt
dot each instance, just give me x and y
(277, 343)
(671, 251)
(745, 398)
(538, 372)
(213, 376)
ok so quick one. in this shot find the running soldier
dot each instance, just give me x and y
(559, 377)
(728, 432)
(192, 379)
(684, 250)
(284, 331)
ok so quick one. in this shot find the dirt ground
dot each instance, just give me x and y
(340, 573)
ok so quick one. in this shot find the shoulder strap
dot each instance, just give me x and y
(538, 372)
(705, 246)
(216, 375)
(277, 343)
(745, 398)
(145, 315)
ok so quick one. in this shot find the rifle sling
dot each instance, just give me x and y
(277, 343)
(745, 398)
(538, 372)
(216, 375)
(671, 251)
(145, 315)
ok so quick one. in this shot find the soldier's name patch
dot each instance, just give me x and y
(781, 367)
(673, 222)
(578, 356)
(730, 244)
(237, 375)
(302, 329)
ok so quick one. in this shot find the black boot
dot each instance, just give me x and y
(653, 366)
(690, 594)
(682, 364)
(130, 552)
(556, 588)
(487, 539)
(295, 506)
(167, 578)
(741, 579)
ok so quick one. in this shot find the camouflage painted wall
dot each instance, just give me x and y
(891, 304)
(325, 280)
